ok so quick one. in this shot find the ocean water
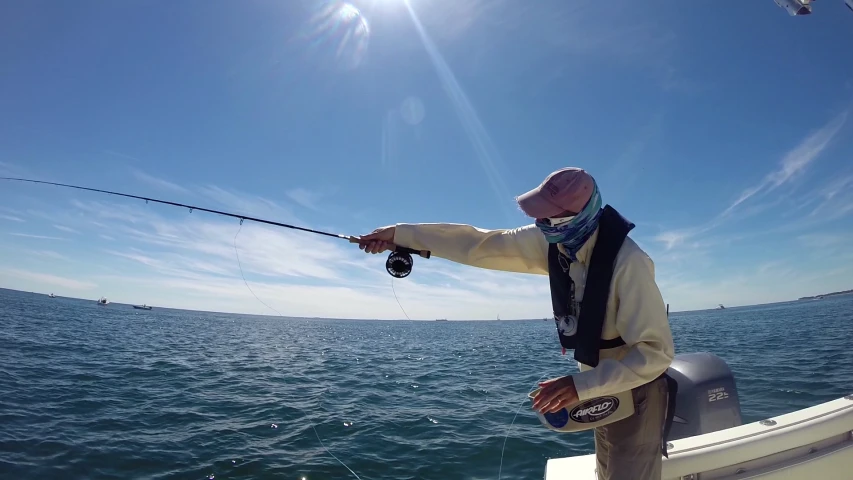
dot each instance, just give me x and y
(111, 392)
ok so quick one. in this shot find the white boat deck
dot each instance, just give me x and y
(813, 443)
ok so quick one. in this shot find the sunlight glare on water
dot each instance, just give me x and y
(339, 33)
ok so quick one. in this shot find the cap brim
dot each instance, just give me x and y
(535, 204)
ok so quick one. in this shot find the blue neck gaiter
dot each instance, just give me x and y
(573, 234)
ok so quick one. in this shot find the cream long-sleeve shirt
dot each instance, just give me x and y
(635, 309)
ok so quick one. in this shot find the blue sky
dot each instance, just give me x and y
(723, 133)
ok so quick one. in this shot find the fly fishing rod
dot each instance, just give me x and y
(398, 265)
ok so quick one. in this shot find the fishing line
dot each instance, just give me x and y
(509, 429)
(324, 445)
(304, 413)
(398, 300)
(244, 277)
(317, 434)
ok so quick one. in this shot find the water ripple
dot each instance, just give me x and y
(106, 392)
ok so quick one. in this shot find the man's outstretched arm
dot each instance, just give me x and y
(521, 250)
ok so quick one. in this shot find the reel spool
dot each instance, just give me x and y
(399, 264)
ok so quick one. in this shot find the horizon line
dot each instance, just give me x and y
(841, 293)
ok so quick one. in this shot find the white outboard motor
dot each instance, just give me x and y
(706, 401)
(707, 398)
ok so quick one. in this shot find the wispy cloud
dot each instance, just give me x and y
(11, 169)
(752, 283)
(158, 182)
(247, 204)
(47, 254)
(700, 248)
(305, 197)
(790, 167)
(673, 80)
(371, 296)
(263, 251)
(822, 240)
(624, 171)
(108, 213)
(65, 229)
(192, 263)
(11, 218)
(626, 35)
(774, 266)
(253, 205)
(44, 278)
(836, 198)
(41, 237)
(121, 155)
(835, 247)
(671, 238)
(794, 162)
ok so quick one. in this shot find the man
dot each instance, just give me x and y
(621, 337)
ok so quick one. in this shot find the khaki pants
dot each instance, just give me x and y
(630, 449)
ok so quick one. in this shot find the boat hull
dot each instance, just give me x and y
(814, 442)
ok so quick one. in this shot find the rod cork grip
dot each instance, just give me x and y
(397, 248)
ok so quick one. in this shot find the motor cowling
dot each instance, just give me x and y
(707, 399)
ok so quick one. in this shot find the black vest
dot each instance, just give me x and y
(613, 228)
(586, 339)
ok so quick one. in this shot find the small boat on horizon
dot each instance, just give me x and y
(103, 301)
(142, 307)
(52, 296)
(721, 307)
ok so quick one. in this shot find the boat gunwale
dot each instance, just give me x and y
(769, 429)
(815, 423)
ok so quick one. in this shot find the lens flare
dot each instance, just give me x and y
(340, 33)
(486, 152)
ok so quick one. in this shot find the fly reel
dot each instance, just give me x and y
(399, 264)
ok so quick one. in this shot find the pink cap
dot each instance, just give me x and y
(568, 189)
